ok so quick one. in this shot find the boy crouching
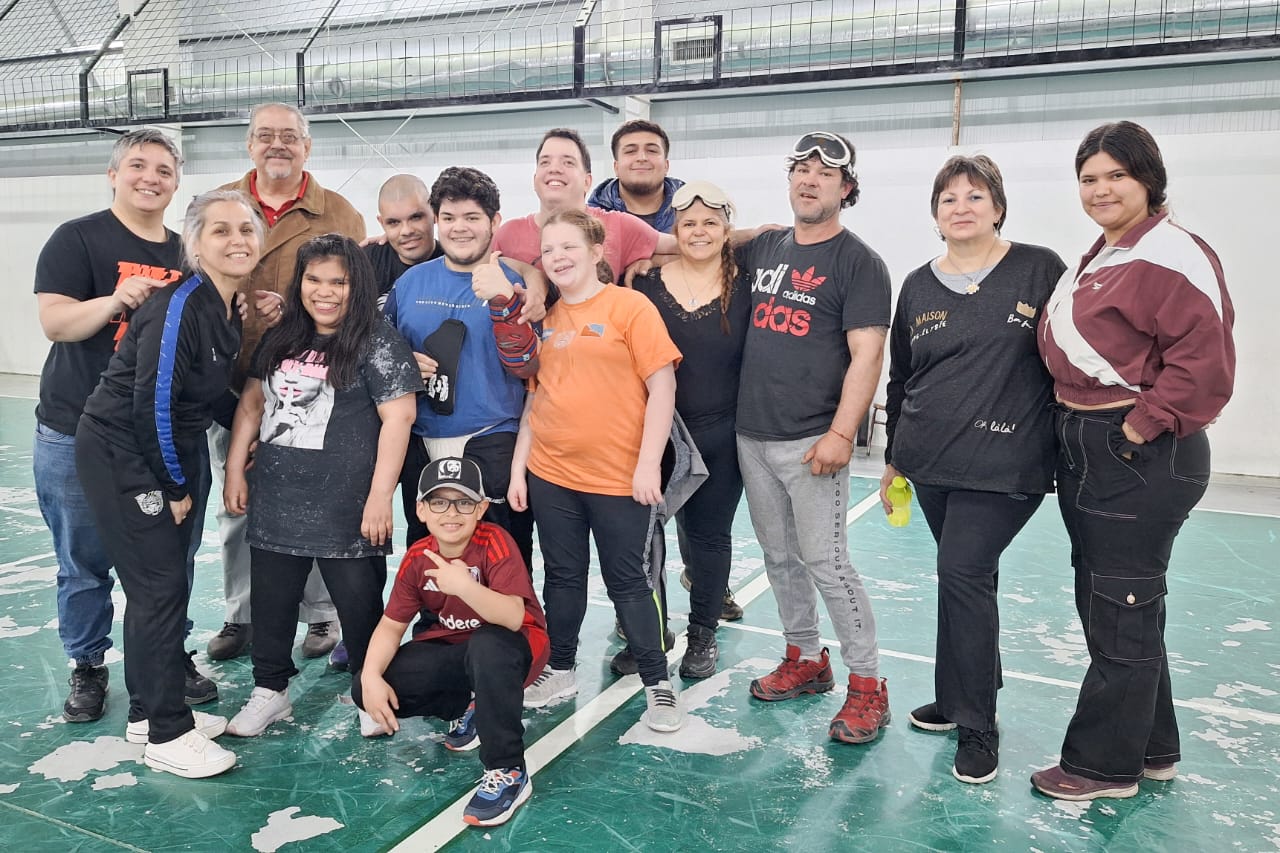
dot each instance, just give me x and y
(481, 633)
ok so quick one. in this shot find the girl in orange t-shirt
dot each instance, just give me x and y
(588, 457)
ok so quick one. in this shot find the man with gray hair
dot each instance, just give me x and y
(91, 275)
(295, 208)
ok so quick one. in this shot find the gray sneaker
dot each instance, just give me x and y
(664, 713)
(551, 685)
(320, 640)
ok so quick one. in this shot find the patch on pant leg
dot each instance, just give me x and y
(151, 503)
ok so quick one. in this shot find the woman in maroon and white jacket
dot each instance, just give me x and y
(1138, 341)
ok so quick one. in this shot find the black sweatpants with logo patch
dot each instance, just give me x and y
(150, 555)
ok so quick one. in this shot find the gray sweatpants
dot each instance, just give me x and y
(799, 521)
(316, 604)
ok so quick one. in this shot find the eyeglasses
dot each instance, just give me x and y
(286, 137)
(439, 506)
(831, 148)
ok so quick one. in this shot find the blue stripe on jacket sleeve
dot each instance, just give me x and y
(164, 378)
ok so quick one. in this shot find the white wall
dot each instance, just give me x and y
(1219, 129)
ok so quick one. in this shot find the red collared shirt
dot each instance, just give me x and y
(273, 214)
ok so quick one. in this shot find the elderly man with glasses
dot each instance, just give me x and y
(295, 208)
(811, 362)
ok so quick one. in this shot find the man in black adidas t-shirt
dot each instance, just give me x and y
(91, 275)
(811, 362)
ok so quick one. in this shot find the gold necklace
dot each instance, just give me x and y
(972, 277)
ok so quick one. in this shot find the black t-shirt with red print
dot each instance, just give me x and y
(87, 258)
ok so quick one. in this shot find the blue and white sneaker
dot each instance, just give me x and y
(462, 734)
(338, 658)
(500, 793)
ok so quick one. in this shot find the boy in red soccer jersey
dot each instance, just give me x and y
(482, 632)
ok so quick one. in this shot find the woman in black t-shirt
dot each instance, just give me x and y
(330, 400)
(701, 299)
(969, 424)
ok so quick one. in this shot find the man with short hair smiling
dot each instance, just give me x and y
(458, 314)
(295, 208)
(641, 186)
(404, 212)
(92, 274)
(820, 314)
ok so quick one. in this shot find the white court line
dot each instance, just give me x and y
(28, 512)
(447, 825)
(30, 559)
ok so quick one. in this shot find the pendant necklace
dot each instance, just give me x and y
(974, 278)
(693, 299)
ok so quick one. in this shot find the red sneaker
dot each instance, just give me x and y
(794, 676)
(865, 711)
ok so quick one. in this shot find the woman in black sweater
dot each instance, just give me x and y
(137, 446)
(969, 424)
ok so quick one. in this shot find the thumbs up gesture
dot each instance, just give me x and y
(489, 280)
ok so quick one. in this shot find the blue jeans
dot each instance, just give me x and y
(85, 610)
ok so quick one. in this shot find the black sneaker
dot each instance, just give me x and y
(929, 718)
(88, 697)
(197, 689)
(977, 755)
(231, 641)
(624, 662)
(700, 657)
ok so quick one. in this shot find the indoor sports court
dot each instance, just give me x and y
(392, 87)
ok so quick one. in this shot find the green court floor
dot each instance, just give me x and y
(741, 776)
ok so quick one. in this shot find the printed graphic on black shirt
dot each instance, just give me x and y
(780, 316)
(299, 403)
(128, 269)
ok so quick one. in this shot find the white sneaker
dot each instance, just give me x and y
(192, 756)
(209, 725)
(551, 685)
(664, 713)
(369, 727)
(263, 708)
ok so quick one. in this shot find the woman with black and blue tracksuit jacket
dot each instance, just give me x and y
(137, 448)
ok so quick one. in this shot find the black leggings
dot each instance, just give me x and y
(624, 532)
(275, 591)
(705, 522)
(972, 530)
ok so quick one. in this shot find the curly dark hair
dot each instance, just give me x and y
(462, 183)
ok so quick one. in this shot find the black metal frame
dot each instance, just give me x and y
(958, 63)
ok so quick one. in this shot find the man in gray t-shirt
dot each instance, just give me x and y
(820, 311)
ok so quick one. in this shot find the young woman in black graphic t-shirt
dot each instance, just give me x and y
(330, 402)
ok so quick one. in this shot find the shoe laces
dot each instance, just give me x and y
(699, 642)
(190, 664)
(494, 781)
(974, 739)
(464, 721)
(229, 629)
(319, 629)
(662, 697)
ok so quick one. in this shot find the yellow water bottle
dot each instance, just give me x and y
(899, 494)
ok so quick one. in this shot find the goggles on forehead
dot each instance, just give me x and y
(704, 191)
(830, 148)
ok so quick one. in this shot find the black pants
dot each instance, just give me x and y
(623, 532)
(492, 453)
(1122, 516)
(275, 591)
(150, 555)
(705, 522)
(972, 530)
(437, 679)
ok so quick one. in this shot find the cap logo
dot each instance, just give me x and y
(451, 468)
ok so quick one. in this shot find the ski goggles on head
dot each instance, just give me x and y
(704, 191)
(830, 148)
